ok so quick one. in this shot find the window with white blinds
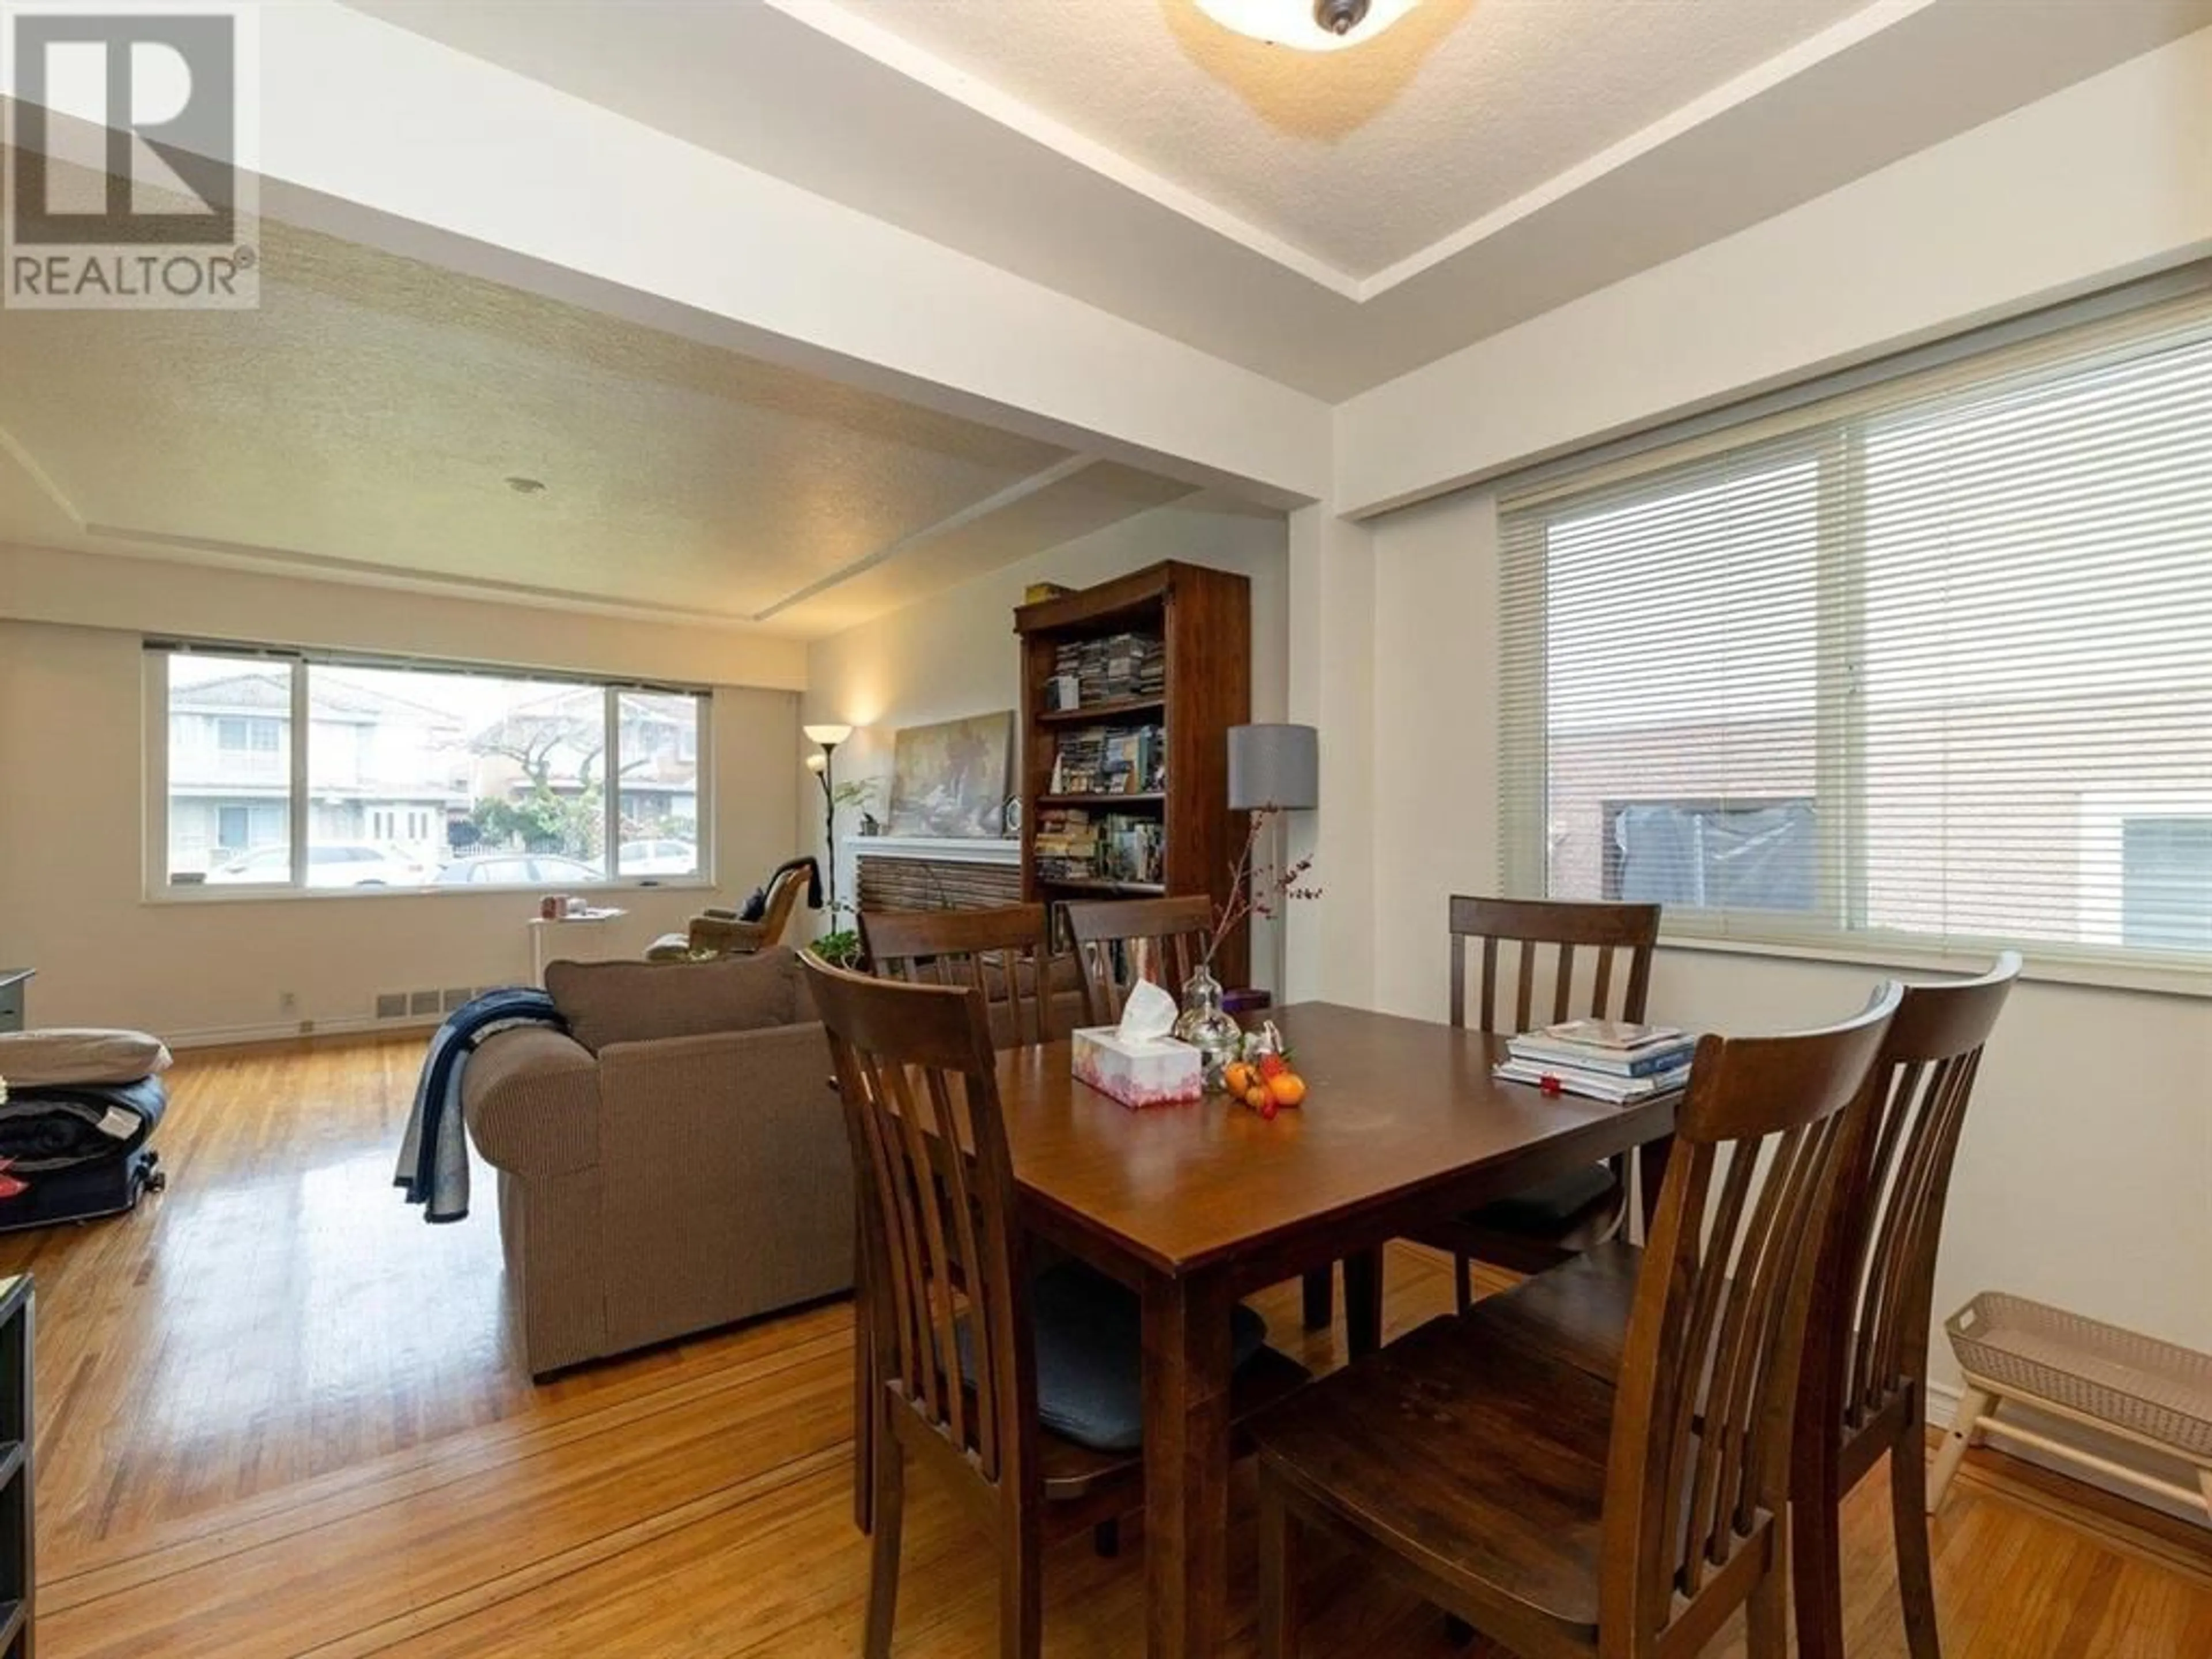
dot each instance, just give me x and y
(1928, 661)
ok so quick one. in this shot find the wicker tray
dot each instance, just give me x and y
(2146, 1387)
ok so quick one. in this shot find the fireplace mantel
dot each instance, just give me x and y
(933, 872)
(937, 849)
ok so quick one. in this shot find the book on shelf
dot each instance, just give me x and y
(1109, 668)
(1075, 845)
(1591, 1086)
(1104, 760)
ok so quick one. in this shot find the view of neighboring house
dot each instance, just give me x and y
(381, 771)
(556, 745)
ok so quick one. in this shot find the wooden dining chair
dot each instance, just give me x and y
(1005, 952)
(1022, 1390)
(1865, 1388)
(1866, 1379)
(1553, 1222)
(1114, 938)
(1568, 1513)
(1169, 936)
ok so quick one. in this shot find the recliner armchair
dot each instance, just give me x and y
(724, 932)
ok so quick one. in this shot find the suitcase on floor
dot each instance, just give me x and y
(80, 1153)
(111, 1187)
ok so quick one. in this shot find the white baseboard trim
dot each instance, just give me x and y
(223, 1036)
(1942, 1406)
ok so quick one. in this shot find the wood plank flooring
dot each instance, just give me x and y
(279, 1415)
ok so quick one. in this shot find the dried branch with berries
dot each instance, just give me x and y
(1258, 889)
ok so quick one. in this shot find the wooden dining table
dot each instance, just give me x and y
(1195, 1206)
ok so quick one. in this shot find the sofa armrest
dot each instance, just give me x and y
(726, 1180)
(531, 1099)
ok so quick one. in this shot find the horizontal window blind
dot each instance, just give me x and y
(1928, 661)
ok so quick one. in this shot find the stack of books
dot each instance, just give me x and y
(1602, 1059)
(1132, 849)
(1101, 760)
(1110, 669)
(1073, 845)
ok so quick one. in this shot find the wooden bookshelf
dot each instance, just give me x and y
(1120, 708)
(1157, 797)
(1203, 618)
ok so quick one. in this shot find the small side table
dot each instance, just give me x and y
(541, 932)
(14, 982)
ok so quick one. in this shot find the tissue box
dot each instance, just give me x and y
(1155, 1071)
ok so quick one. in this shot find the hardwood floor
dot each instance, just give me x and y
(279, 1415)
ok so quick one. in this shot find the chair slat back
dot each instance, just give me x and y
(1535, 926)
(1162, 939)
(916, 1074)
(1890, 1219)
(1700, 1457)
(1003, 952)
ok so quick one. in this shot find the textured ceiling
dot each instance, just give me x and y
(1329, 221)
(1361, 158)
(366, 419)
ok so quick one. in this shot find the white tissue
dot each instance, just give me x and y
(1148, 1015)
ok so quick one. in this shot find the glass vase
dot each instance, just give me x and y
(1217, 1038)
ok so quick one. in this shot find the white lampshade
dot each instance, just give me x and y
(818, 763)
(828, 736)
(1273, 766)
(1307, 25)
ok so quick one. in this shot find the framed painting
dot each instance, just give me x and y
(951, 779)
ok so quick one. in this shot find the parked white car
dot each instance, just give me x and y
(657, 858)
(517, 869)
(333, 864)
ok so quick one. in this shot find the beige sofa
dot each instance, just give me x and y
(675, 1162)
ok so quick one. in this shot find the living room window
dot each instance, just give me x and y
(287, 770)
(1887, 666)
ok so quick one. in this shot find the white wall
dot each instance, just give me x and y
(956, 654)
(72, 790)
(2109, 178)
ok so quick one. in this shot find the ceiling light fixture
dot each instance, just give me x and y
(1307, 25)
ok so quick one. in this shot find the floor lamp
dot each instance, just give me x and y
(828, 736)
(1276, 768)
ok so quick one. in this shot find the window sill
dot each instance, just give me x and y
(2040, 969)
(244, 893)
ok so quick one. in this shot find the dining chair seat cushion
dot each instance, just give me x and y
(1549, 1207)
(1485, 1463)
(1089, 1338)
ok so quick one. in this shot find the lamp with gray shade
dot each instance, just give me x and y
(1274, 768)
(1277, 766)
